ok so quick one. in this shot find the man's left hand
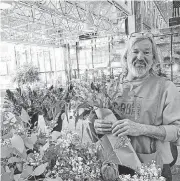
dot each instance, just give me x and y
(126, 127)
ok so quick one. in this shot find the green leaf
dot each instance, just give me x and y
(5, 152)
(66, 112)
(82, 129)
(33, 138)
(7, 136)
(21, 155)
(62, 116)
(19, 166)
(2, 170)
(18, 143)
(89, 134)
(41, 150)
(46, 146)
(24, 154)
(57, 110)
(24, 116)
(40, 169)
(28, 142)
(56, 117)
(28, 170)
(76, 119)
(17, 177)
(6, 177)
(13, 159)
(7, 169)
(55, 135)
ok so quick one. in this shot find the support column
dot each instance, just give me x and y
(131, 24)
(92, 60)
(65, 51)
(171, 55)
(77, 58)
(45, 67)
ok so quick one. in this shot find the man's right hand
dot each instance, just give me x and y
(102, 126)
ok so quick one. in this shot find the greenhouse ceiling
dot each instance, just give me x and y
(56, 22)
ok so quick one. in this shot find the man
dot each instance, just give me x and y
(150, 107)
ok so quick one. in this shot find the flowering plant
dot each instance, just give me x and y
(47, 155)
(74, 161)
(150, 172)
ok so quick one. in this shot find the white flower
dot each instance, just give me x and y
(80, 159)
(141, 171)
(57, 163)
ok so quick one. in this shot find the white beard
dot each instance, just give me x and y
(138, 70)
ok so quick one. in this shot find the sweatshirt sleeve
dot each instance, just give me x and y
(171, 112)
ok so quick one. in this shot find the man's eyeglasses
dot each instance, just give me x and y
(141, 34)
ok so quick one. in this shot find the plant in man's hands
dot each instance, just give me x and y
(95, 95)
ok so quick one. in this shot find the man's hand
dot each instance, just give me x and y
(126, 127)
(102, 126)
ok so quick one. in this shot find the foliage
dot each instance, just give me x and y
(26, 74)
(88, 97)
(48, 155)
(44, 101)
(45, 154)
(53, 156)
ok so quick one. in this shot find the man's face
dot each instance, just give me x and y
(140, 58)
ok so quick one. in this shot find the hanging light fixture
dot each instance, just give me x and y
(5, 5)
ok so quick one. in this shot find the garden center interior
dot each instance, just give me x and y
(67, 40)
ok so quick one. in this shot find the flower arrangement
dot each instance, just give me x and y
(99, 99)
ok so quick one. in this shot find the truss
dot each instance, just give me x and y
(56, 22)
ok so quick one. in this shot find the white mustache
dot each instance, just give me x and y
(141, 62)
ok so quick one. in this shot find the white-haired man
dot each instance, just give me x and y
(151, 117)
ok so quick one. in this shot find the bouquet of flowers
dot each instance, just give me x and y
(99, 99)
